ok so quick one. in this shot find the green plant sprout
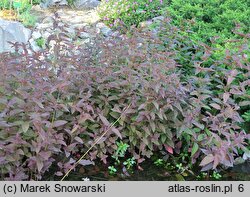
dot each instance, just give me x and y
(40, 42)
(120, 152)
(122, 148)
(169, 166)
(17, 5)
(246, 116)
(159, 162)
(112, 170)
(216, 175)
(129, 163)
(201, 176)
(180, 168)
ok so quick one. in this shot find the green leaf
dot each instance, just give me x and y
(201, 137)
(156, 105)
(169, 134)
(115, 115)
(170, 143)
(189, 131)
(163, 138)
(25, 126)
(29, 134)
(93, 127)
(206, 107)
(17, 4)
(194, 149)
(121, 122)
(179, 177)
(152, 125)
(215, 105)
(159, 113)
(201, 126)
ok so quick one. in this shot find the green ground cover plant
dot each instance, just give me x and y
(22, 9)
(202, 20)
(129, 12)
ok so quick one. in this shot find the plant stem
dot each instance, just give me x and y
(95, 142)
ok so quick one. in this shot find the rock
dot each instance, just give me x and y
(44, 26)
(36, 35)
(48, 20)
(34, 45)
(71, 31)
(52, 44)
(46, 34)
(84, 35)
(115, 34)
(105, 30)
(86, 41)
(51, 3)
(75, 20)
(80, 26)
(145, 24)
(86, 4)
(155, 22)
(100, 25)
(11, 31)
(158, 18)
(46, 23)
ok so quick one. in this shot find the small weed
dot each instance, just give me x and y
(169, 167)
(180, 167)
(120, 152)
(122, 148)
(201, 176)
(246, 116)
(184, 157)
(159, 162)
(129, 163)
(112, 170)
(27, 19)
(216, 175)
(40, 42)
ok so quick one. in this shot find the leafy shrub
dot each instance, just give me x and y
(207, 19)
(21, 5)
(70, 2)
(36, 1)
(225, 92)
(189, 54)
(22, 9)
(128, 12)
(57, 102)
(46, 114)
(27, 19)
(4, 4)
(220, 95)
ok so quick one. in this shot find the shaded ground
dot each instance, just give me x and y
(150, 172)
